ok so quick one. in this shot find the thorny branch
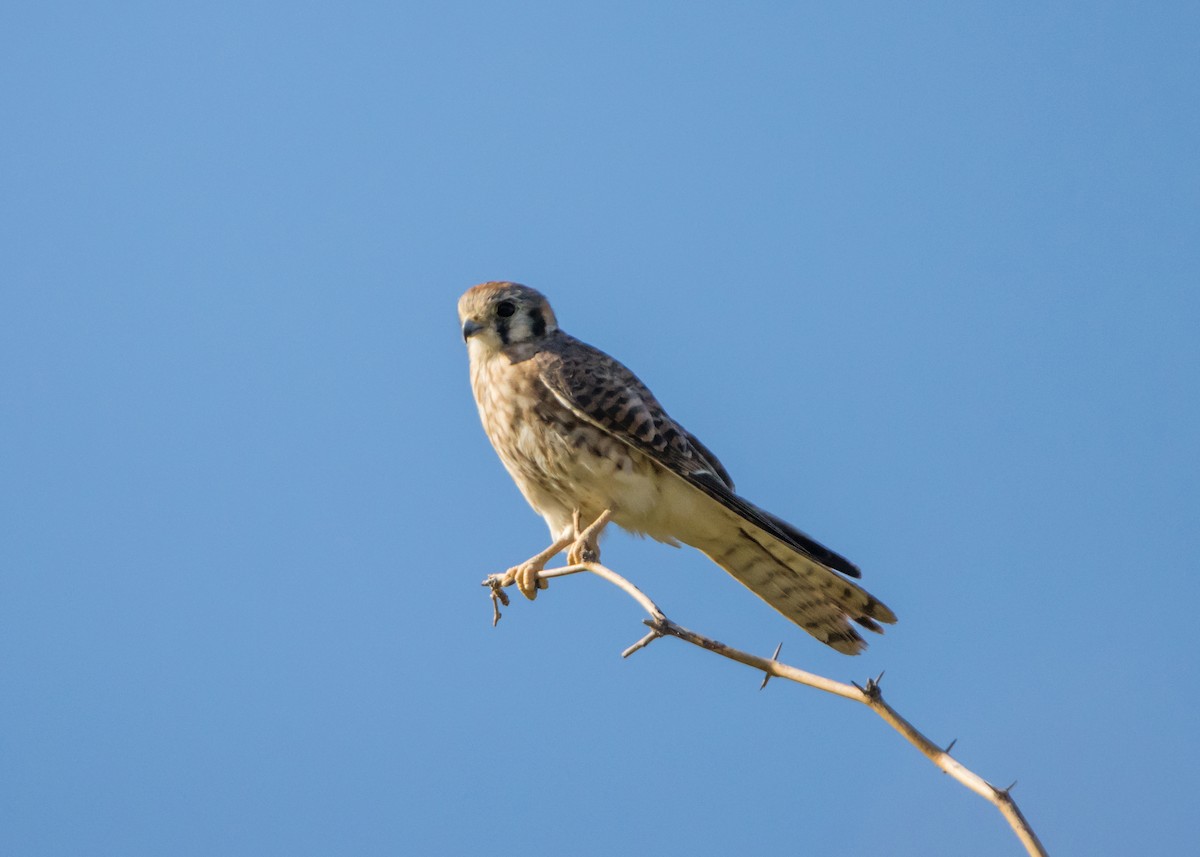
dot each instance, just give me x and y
(869, 695)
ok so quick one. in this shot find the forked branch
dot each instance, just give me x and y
(869, 694)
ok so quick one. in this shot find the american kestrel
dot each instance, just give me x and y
(582, 436)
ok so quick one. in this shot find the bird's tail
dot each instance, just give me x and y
(818, 600)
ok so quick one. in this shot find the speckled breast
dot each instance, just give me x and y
(555, 457)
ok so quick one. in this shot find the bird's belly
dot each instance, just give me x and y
(589, 471)
(645, 498)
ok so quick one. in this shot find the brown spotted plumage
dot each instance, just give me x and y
(580, 434)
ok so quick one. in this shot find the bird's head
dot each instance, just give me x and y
(495, 316)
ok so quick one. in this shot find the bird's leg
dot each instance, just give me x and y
(525, 575)
(586, 547)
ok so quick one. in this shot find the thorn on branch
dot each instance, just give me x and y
(871, 691)
(871, 694)
(774, 657)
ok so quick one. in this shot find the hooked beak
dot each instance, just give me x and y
(470, 328)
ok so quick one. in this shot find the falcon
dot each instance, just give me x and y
(585, 440)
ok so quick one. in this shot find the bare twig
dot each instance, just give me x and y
(869, 695)
(499, 596)
(642, 643)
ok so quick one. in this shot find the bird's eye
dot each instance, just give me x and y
(505, 308)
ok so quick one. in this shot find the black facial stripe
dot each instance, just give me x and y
(539, 322)
(502, 329)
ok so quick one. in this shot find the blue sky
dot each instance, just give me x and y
(926, 278)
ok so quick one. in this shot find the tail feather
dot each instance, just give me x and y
(802, 589)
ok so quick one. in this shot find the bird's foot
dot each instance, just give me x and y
(583, 550)
(586, 547)
(525, 576)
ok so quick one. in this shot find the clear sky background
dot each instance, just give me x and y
(925, 277)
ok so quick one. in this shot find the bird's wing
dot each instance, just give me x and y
(606, 394)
